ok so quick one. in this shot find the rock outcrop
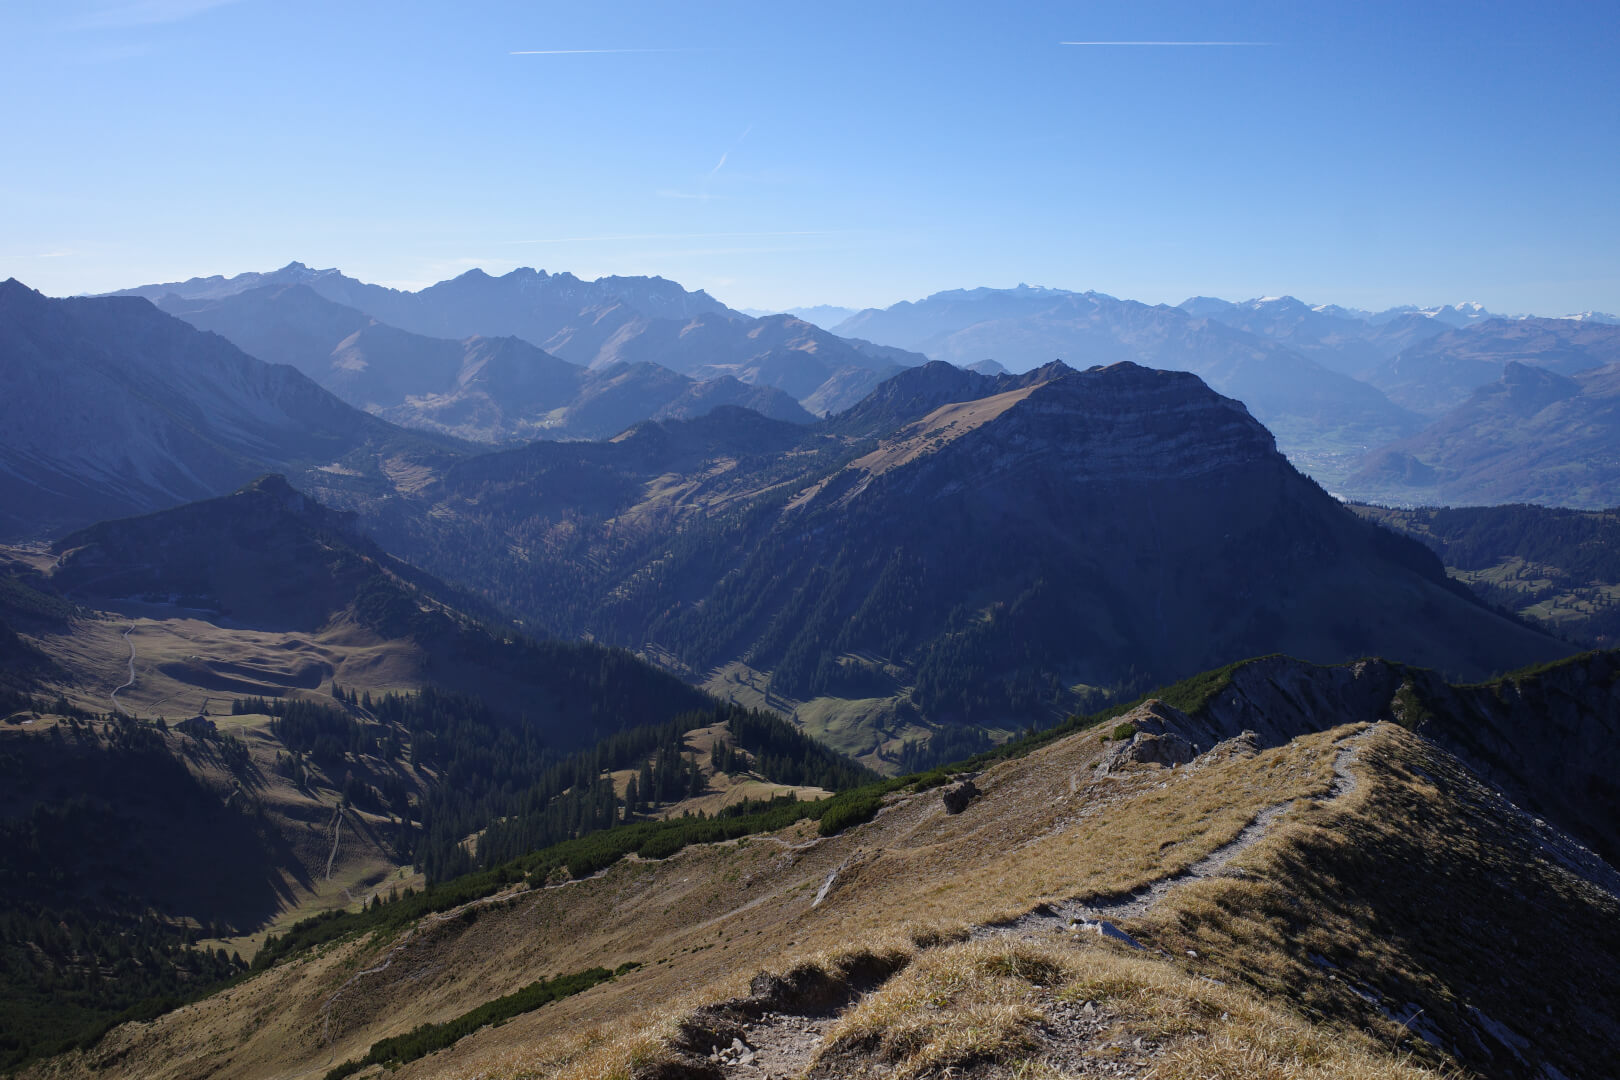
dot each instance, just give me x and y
(958, 796)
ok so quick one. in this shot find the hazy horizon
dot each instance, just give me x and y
(1421, 304)
(1369, 155)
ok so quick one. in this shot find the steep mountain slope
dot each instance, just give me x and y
(1326, 894)
(1439, 374)
(986, 565)
(1559, 568)
(1322, 418)
(489, 389)
(109, 406)
(365, 731)
(1533, 436)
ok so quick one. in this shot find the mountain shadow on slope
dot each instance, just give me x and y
(270, 558)
(992, 563)
(109, 407)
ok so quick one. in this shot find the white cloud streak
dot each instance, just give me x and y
(592, 52)
(1238, 43)
(729, 149)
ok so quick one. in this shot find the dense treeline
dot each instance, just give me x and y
(1582, 543)
(68, 974)
(946, 745)
(784, 754)
(425, 1039)
(324, 733)
(501, 779)
(1571, 558)
(81, 878)
(504, 781)
(583, 856)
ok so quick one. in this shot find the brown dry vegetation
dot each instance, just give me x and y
(1334, 879)
(996, 1004)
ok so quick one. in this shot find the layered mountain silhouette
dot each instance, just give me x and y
(487, 389)
(441, 310)
(1439, 374)
(1315, 411)
(598, 324)
(1351, 342)
(1531, 436)
(108, 406)
(1334, 384)
(970, 546)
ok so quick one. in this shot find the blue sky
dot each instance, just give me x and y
(788, 153)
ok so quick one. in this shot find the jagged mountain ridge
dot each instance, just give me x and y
(601, 323)
(111, 407)
(1563, 770)
(655, 297)
(488, 389)
(1351, 342)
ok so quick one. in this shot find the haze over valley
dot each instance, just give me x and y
(541, 542)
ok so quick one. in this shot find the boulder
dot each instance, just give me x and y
(1167, 749)
(957, 796)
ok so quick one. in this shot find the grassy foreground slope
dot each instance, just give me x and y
(1341, 902)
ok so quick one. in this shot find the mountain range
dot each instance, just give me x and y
(958, 554)
(110, 407)
(1532, 436)
(597, 324)
(846, 564)
(487, 389)
(1334, 384)
(799, 705)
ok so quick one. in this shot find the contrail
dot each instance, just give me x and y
(1165, 43)
(582, 52)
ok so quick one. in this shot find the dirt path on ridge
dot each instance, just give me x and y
(780, 1045)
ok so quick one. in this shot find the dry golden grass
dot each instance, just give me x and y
(1416, 903)
(982, 1004)
(704, 922)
